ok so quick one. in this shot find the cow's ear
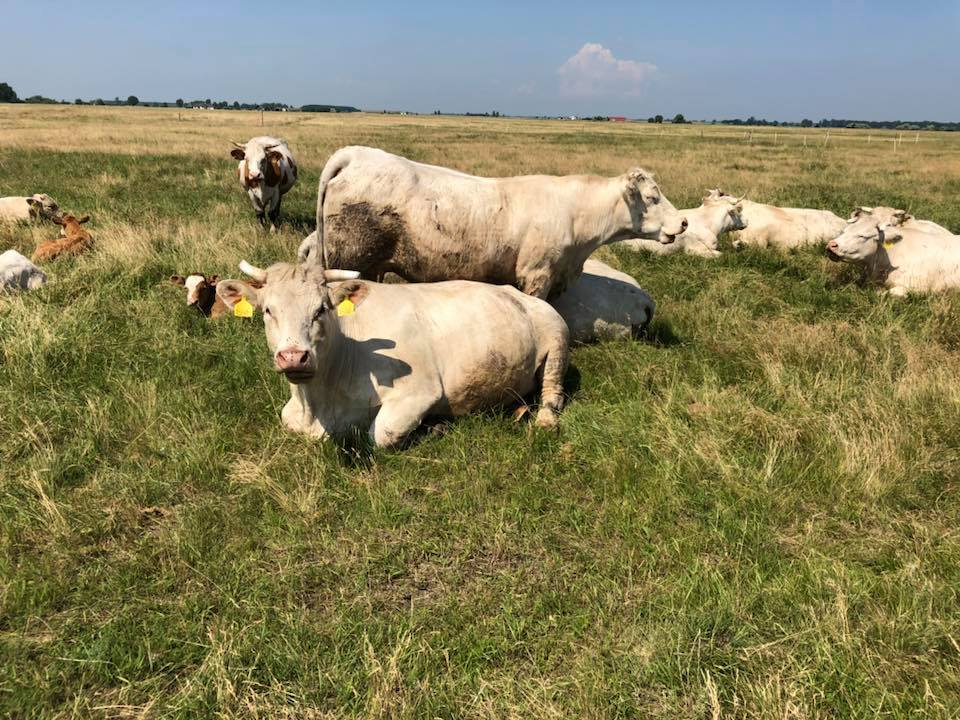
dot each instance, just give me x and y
(353, 290)
(889, 234)
(901, 216)
(213, 279)
(232, 291)
(83, 219)
(34, 203)
(274, 156)
(237, 154)
(57, 221)
(178, 280)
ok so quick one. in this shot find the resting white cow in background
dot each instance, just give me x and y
(901, 218)
(716, 215)
(903, 258)
(267, 171)
(18, 273)
(604, 304)
(784, 228)
(378, 212)
(39, 206)
(380, 357)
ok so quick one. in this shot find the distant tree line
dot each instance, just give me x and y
(863, 124)
(678, 119)
(9, 95)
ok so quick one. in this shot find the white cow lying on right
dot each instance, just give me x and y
(901, 218)
(784, 228)
(604, 304)
(904, 257)
(717, 214)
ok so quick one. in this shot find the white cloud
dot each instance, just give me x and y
(595, 72)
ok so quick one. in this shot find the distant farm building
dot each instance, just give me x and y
(617, 118)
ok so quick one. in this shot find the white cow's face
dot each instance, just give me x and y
(258, 164)
(862, 239)
(299, 314)
(654, 217)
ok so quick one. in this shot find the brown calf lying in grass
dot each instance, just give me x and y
(75, 240)
(202, 293)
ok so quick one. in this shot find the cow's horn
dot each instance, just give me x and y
(256, 273)
(271, 147)
(335, 275)
(239, 145)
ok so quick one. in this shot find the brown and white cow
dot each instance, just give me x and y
(202, 293)
(267, 171)
(360, 354)
(35, 207)
(74, 241)
(378, 212)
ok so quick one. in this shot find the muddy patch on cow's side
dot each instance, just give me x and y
(363, 237)
(493, 382)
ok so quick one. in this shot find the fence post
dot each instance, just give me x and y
(826, 138)
(776, 138)
(869, 138)
(804, 140)
(261, 117)
(916, 139)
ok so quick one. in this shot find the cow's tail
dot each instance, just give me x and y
(554, 370)
(334, 166)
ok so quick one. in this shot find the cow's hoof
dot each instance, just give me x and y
(547, 418)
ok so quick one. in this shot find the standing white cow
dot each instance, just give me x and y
(604, 304)
(902, 257)
(34, 207)
(716, 215)
(378, 212)
(267, 171)
(380, 357)
(784, 228)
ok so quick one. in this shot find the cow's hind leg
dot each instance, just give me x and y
(398, 418)
(551, 393)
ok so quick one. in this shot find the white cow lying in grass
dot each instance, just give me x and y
(716, 215)
(379, 213)
(900, 218)
(784, 228)
(361, 354)
(901, 255)
(35, 207)
(604, 304)
(18, 273)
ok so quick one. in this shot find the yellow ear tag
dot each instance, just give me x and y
(346, 307)
(242, 309)
(887, 245)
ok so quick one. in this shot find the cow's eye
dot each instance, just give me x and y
(266, 312)
(319, 313)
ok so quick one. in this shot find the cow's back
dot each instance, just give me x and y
(385, 213)
(479, 344)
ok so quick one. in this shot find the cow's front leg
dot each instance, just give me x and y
(262, 218)
(274, 216)
(398, 418)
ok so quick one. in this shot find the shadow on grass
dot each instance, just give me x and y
(660, 333)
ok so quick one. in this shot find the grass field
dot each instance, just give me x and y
(753, 513)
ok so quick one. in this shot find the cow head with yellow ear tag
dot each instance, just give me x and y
(298, 303)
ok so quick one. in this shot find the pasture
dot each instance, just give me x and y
(753, 512)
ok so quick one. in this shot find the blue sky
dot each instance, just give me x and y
(856, 59)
